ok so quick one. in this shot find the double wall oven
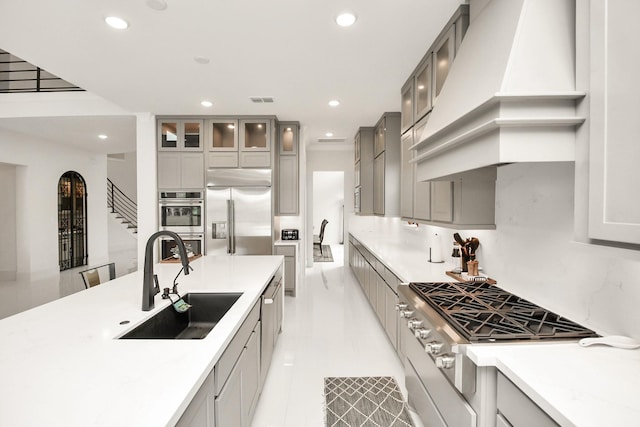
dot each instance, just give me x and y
(183, 213)
(439, 320)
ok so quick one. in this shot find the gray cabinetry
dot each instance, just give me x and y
(379, 286)
(516, 409)
(288, 168)
(233, 142)
(179, 135)
(363, 141)
(427, 79)
(386, 169)
(289, 253)
(237, 374)
(614, 213)
(407, 178)
(177, 170)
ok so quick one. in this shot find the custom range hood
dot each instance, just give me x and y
(510, 94)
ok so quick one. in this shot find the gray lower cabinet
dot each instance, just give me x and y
(229, 395)
(289, 253)
(516, 409)
(228, 403)
(378, 285)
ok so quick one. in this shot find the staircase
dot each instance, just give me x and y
(122, 207)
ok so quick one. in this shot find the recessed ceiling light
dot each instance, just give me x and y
(117, 23)
(158, 5)
(334, 103)
(346, 19)
(202, 60)
(328, 134)
(206, 103)
(103, 136)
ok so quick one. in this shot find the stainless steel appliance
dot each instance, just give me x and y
(441, 320)
(182, 211)
(289, 234)
(239, 212)
(194, 243)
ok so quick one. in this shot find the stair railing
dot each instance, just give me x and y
(120, 204)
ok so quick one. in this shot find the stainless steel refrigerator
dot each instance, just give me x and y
(239, 212)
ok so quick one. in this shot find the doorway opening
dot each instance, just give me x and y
(328, 203)
(72, 221)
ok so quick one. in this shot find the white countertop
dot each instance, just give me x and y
(577, 386)
(60, 363)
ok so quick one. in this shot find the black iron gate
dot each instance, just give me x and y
(72, 221)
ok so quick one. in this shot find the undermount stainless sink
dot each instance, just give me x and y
(206, 311)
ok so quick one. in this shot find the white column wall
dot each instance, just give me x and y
(147, 181)
(8, 257)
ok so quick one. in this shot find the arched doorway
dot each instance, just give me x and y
(72, 221)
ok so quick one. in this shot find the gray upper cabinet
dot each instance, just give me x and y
(407, 177)
(364, 140)
(422, 84)
(255, 135)
(425, 82)
(179, 135)
(443, 55)
(407, 106)
(222, 134)
(288, 168)
(421, 190)
(180, 170)
(614, 210)
(387, 166)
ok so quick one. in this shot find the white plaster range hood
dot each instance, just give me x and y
(510, 93)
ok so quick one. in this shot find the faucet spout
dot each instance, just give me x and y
(150, 283)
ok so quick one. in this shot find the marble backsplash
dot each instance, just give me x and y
(533, 253)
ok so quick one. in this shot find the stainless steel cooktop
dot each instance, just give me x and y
(482, 312)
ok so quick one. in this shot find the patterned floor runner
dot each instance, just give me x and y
(365, 402)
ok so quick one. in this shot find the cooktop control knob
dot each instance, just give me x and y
(445, 362)
(401, 306)
(414, 324)
(433, 347)
(422, 333)
(406, 313)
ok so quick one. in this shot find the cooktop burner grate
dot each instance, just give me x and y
(484, 312)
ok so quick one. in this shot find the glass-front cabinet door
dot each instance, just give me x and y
(255, 135)
(423, 89)
(288, 134)
(222, 135)
(179, 135)
(443, 56)
(407, 106)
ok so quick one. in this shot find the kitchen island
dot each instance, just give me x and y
(62, 364)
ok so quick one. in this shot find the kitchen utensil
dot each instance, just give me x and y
(617, 341)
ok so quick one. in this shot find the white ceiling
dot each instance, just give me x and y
(291, 50)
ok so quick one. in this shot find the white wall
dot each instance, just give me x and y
(122, 172)
(8, 258)
(41, 164)
(328, 201)
(533, 252)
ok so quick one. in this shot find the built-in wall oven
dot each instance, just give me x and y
(182, 212)
(440, 320)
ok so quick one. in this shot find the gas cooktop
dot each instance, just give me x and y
(482, 312)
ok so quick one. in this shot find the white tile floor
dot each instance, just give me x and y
(329, 329)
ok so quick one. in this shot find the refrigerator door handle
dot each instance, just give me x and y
(229, 226)
(231, 214)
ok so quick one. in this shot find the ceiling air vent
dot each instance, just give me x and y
(261, 99)
(331, 139)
